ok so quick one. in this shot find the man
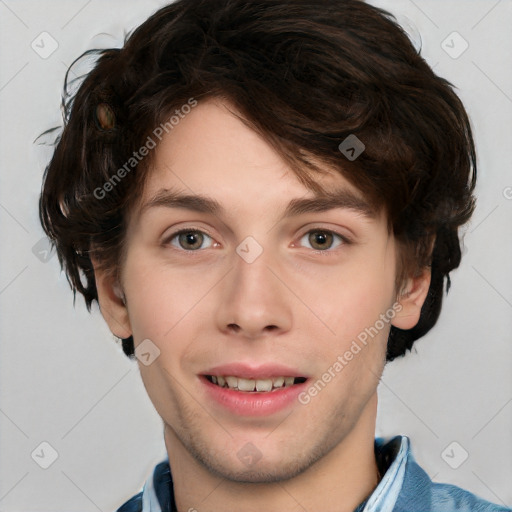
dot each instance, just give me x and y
(265, 199)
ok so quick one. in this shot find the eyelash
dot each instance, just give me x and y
(343, 239)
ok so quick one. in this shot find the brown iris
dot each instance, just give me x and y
(320, 239)
(191, 239)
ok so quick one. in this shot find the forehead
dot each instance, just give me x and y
(213, 161)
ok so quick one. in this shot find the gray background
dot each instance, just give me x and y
(64, 380)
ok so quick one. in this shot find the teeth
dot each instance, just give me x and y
(232, 382)
(248, 385)
(288, 381)
(279, 382)
(264, 385)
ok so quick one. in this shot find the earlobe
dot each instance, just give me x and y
(112, 302)
(411, 300)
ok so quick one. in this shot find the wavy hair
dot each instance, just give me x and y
(304, 74)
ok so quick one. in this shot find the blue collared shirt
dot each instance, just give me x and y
(405, 487)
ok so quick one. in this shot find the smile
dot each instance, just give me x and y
(241, 396)
(254, 385)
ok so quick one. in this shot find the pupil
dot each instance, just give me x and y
(191, 240)
(320, 239)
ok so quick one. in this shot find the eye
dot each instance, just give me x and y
(190, 239)
(322, 240)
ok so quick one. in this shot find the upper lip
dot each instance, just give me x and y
(254, 370)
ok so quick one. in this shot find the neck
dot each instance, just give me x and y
(339, 481)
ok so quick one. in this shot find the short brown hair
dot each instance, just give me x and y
(305, 74)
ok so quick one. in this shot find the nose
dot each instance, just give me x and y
(254, 302)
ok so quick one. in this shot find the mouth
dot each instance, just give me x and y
(245, 385)
(252, 388)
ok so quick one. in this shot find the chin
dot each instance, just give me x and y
(263, 474)
(261, 469)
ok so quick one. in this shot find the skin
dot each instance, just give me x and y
(299, 303)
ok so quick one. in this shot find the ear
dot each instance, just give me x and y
(112, 302)
(412, 300)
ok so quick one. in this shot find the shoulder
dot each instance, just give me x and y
(132, 505)
(417, 487)
(156, 493)
(450, 497)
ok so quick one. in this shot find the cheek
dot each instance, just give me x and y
(351, 298)
(159, 296)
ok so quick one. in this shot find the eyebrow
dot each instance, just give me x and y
(341, 198)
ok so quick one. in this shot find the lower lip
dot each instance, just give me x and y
(253, 403)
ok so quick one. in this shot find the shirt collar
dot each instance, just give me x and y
(385, 495)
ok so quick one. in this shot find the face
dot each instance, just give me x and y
(255, 285)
